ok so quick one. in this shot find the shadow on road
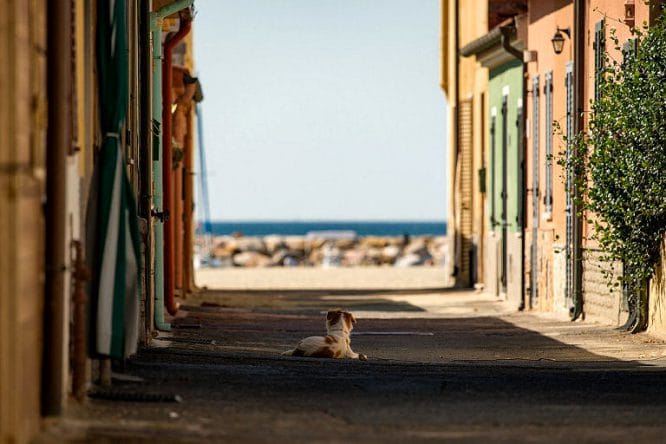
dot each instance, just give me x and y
(465, 379)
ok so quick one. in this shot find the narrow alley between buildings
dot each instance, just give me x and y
(512, 291)
(442, 365)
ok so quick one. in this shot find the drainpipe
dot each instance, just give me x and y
(80, 276)
(579, 122)
(169, 287)
(59, 139)
(145, 159)
(457, 239)
(158, 209)
(507, 32)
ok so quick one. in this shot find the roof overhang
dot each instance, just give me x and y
(483, 43)
(490, 50)
(498, 56)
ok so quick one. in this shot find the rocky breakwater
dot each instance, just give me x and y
(328, 251)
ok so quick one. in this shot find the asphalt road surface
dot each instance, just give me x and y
(443, 366)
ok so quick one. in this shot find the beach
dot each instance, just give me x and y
(317, 278)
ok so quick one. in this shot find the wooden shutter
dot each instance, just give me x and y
(599, 49)
(466, 182)
(569, 209)
(548, 93)
(493, 188)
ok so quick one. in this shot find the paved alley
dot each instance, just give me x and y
(443, 365)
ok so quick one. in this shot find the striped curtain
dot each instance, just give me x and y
(113, 230)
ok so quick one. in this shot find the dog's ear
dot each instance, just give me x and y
(349, 319)
(333, 315)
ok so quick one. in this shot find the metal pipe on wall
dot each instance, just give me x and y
(579, 125)
(169, 226)
(145, 158)
(454, 110)
(157, 207)
(177, 200)
(59, 140)
(80, 276)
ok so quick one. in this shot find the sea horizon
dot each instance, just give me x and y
(303, 227)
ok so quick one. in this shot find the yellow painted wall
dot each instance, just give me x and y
(22, 154)
(469, 22)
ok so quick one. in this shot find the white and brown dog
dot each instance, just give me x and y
(336, 344)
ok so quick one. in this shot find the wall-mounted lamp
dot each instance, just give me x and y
(558, 39)
(629, 12)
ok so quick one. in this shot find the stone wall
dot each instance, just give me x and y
(545, 270)
(657, 313)
(492, 263)
(493, 267)
(514, 270)
(599, 302)
(559, 279)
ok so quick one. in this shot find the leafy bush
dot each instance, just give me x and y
(620, 163)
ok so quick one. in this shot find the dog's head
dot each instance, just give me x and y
(336, 319)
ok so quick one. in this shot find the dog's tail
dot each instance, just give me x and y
(288, 353)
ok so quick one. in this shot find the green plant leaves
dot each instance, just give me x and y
(620, 163)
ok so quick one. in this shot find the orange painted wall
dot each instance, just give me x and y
(544, 17)
(612, 11)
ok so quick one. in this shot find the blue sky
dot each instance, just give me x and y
(322, 110)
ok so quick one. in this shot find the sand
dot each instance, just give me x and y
(359, 278)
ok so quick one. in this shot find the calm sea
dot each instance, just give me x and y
(302, 228)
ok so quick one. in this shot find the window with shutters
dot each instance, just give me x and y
(534, 248)
(521, 162)
(548, 127)
(535, 150)
(599, 49)
(569, 209)
(493, 131)
(466, 183)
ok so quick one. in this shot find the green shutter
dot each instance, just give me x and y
(599, 50)
(548, 93)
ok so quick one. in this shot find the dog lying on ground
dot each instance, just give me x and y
(336, 344)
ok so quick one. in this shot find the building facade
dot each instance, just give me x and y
(601, 17)
(82, 80)
(500, 53)
(518, 92)
(22, 184)
(464, 84)
(549, 116)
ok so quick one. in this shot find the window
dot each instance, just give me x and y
(493, 130)
(569, 209)
(599, 48)
(521, 161)
(535, 150)
(548, 93)
(569, 87)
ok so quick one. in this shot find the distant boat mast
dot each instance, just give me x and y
(206, 227)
